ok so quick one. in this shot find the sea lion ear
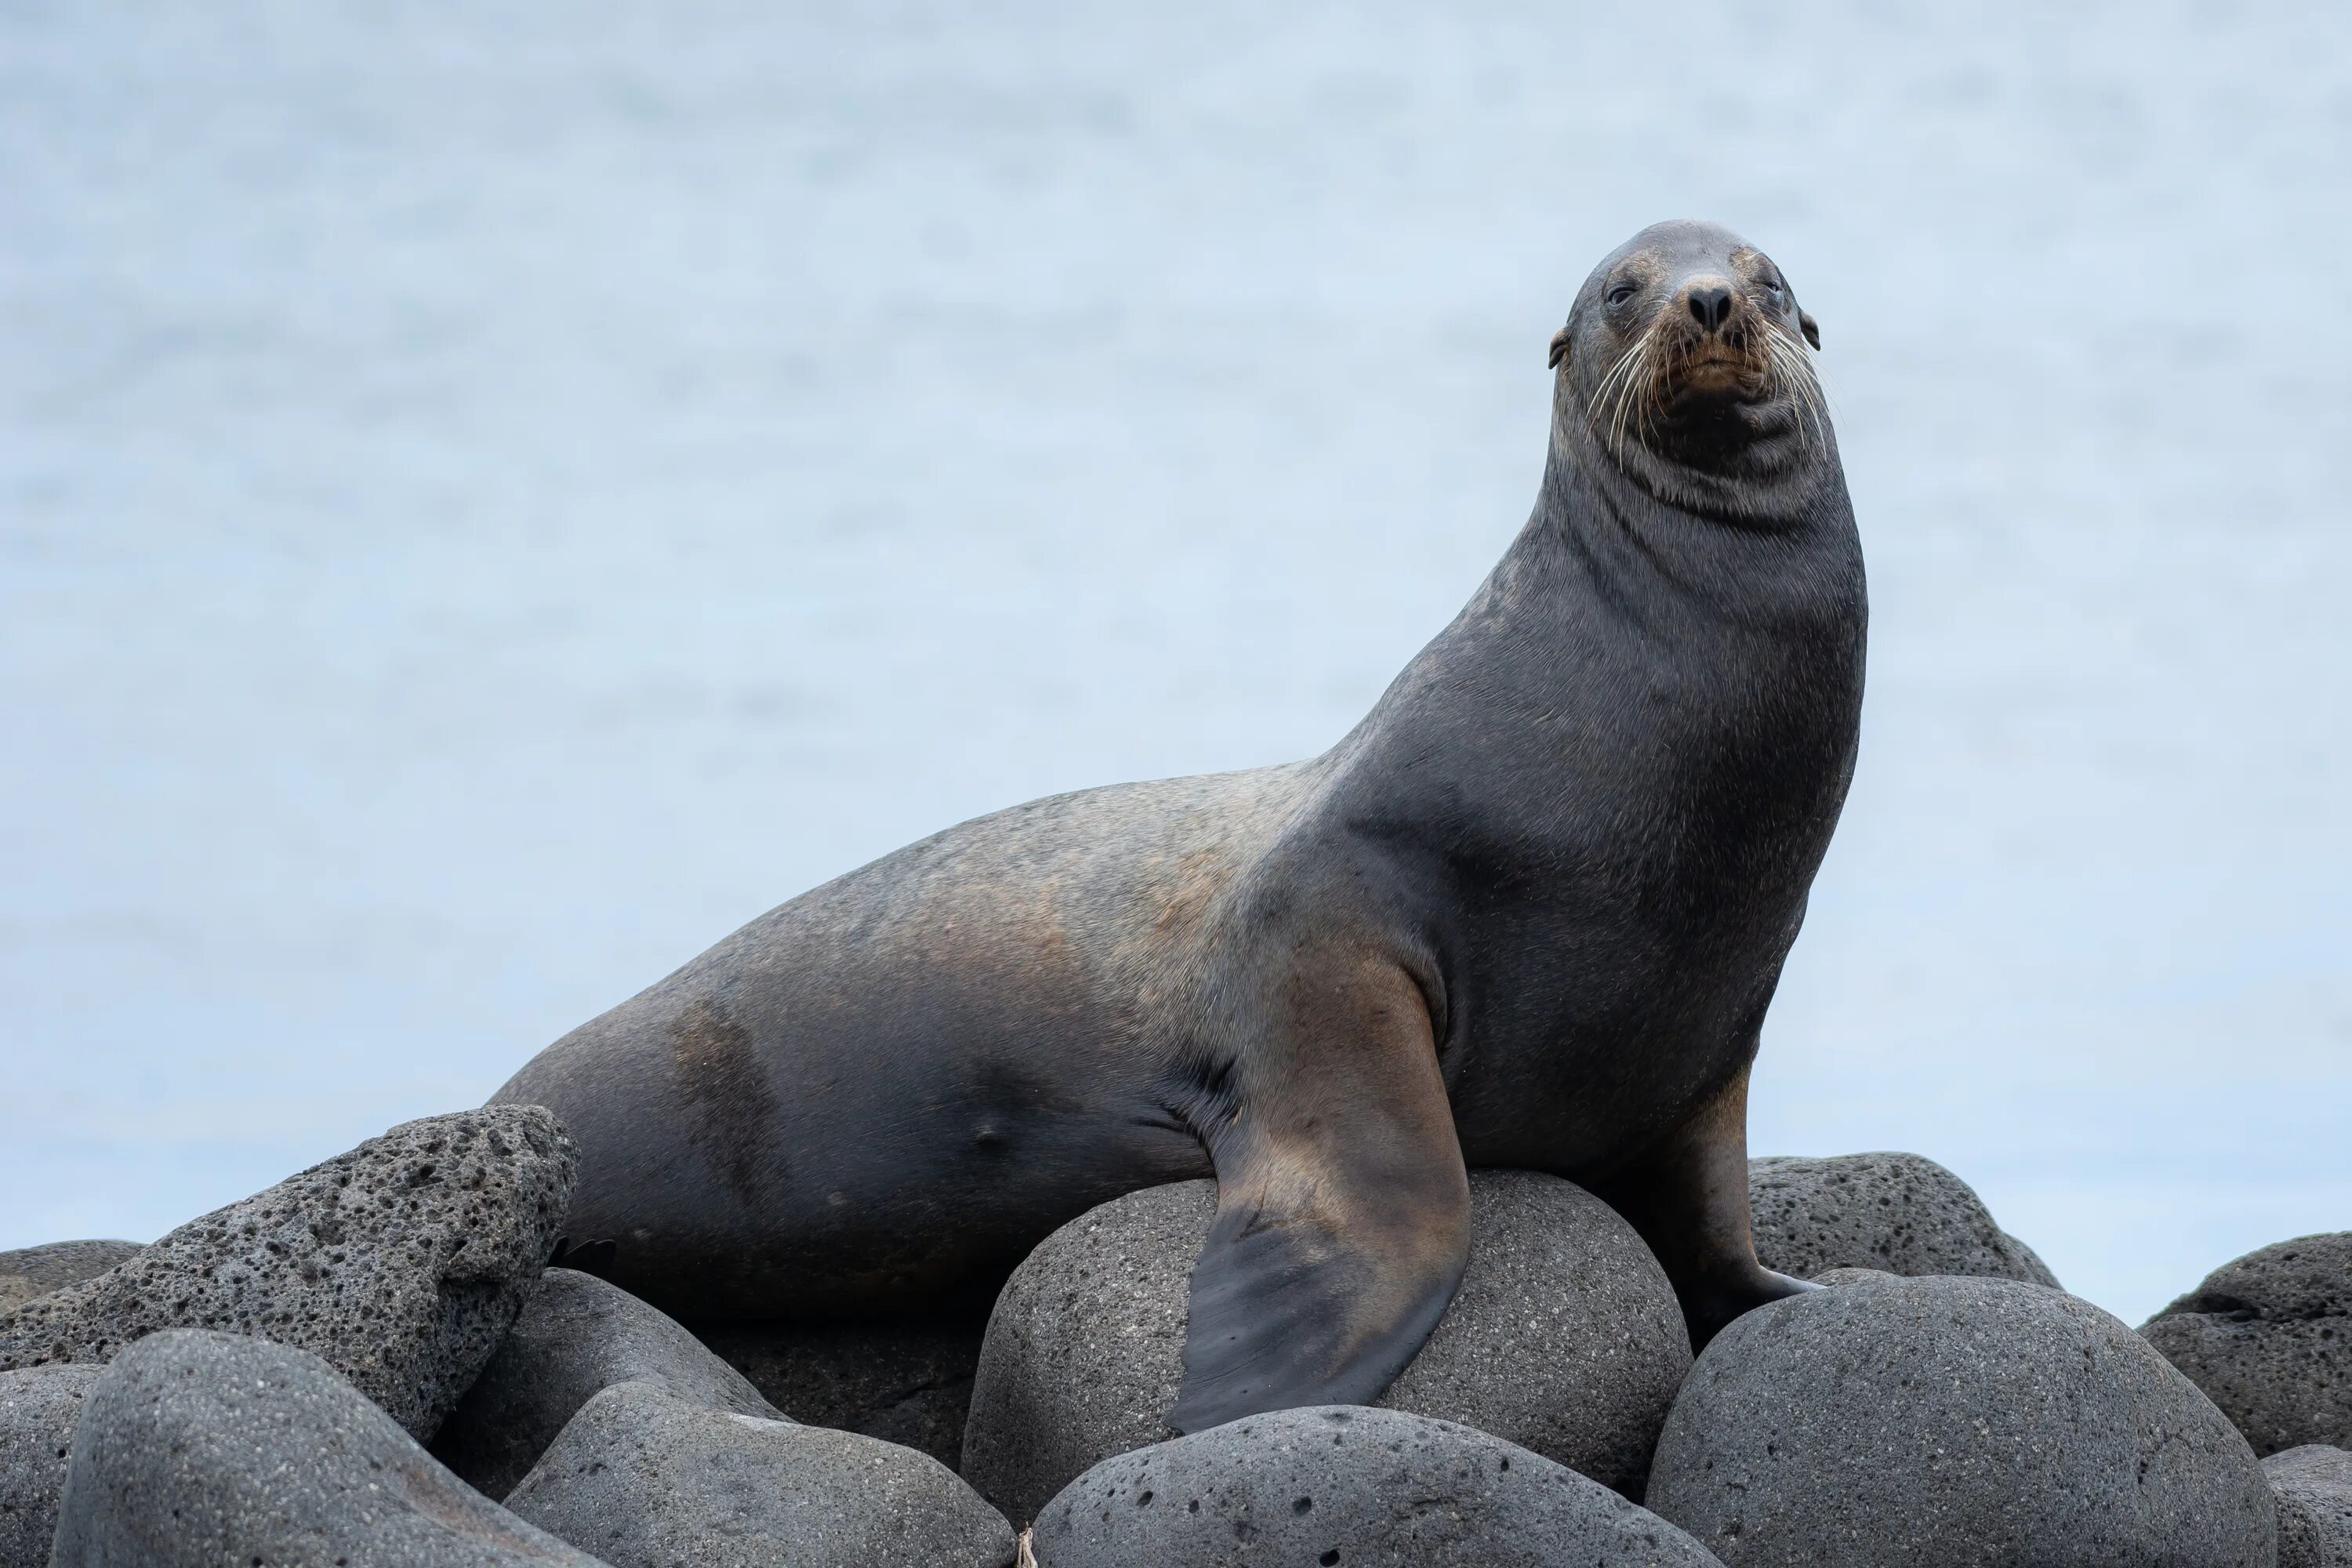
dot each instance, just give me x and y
(1811, 328)
(1558, 349)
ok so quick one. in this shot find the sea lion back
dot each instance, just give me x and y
(907, 1076)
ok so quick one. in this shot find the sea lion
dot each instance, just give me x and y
(1529, 912)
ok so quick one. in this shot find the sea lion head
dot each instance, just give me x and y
(1686, 363)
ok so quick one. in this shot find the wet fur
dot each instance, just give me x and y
(1529, 912)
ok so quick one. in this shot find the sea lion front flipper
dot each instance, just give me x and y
(1687, 1197)
(1343, 1209)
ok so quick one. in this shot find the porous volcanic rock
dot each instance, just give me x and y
(39, 1407)
(31, 1271)
(904, 1382)
(1966, 1422)
(1347, 1484)
(2313, 1486)
(1903, 1213)
(577, 1336)
(198, 1448)
(645, 1479)
(402, 1263)
(1565, 1338)
(2269, 1338)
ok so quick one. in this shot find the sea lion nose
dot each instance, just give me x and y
(1710, 304)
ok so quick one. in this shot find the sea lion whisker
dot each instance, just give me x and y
(1607, 384)
(1643, 427)
(1792, 368)
(1632, 370)
(1634, 395)
(1592, 404)
(1617, 411)
(1617, 405)
(1785, 383)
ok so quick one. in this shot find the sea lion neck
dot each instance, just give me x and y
(1602, 547)
(1789, 490)
(1609, 602)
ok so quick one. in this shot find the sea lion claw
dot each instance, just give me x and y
(586, 1256)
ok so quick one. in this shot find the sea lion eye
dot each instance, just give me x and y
(1622, 293)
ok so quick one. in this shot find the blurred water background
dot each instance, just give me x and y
(493, 496)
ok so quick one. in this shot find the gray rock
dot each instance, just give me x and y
(2269, 1339)
(1903, 1213)
(645, 1479)
(31, 1271)
(1956, 1422)
(2313, 1487)
(577, 1336)
(39, 1408)
(905, 1382)
(1835, 1276)
(198, 1449)
(1564, 1339)
(401, 1263)
(1345, 1485)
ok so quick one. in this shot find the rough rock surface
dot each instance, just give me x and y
(1957, 1422)
(2313, 1486)
(33, 1271)
(2269, 1339)
(1564, 1339)
(645, 1479)
(198, 1448)
(577, 1336)
(1347, 1484)
(39, 1408)
(1901, 1213)
(905, 1383)
(401, 1263)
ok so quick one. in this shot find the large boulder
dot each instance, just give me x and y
(1957, 1422)
(2269, 1339)
(645, 1479)
(1344, 1483)
(31, 1271)
(197, 1449)
(39, 1408)
(908, 1383)
(577, 1336)
(2312, 1487)
(401, 1263)
(1902, 1213)
(1565, 1338)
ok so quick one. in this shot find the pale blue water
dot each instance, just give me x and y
(491, 496)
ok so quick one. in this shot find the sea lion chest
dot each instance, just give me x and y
(1599, 830)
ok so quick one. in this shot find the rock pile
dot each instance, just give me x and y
(1898, 1213)
(2269, 1339)
(401, 1263)
(646, 1480)
(1343, 1484)
(39, 1270)
(577, 1337)
(2313, 1487)
(257, 1388)
(198, 1446)
(903, 1380)
(1564, 1338)
(39, 1408)
(1955, 1421)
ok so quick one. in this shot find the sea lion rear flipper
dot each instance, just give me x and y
(1343, 1211)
